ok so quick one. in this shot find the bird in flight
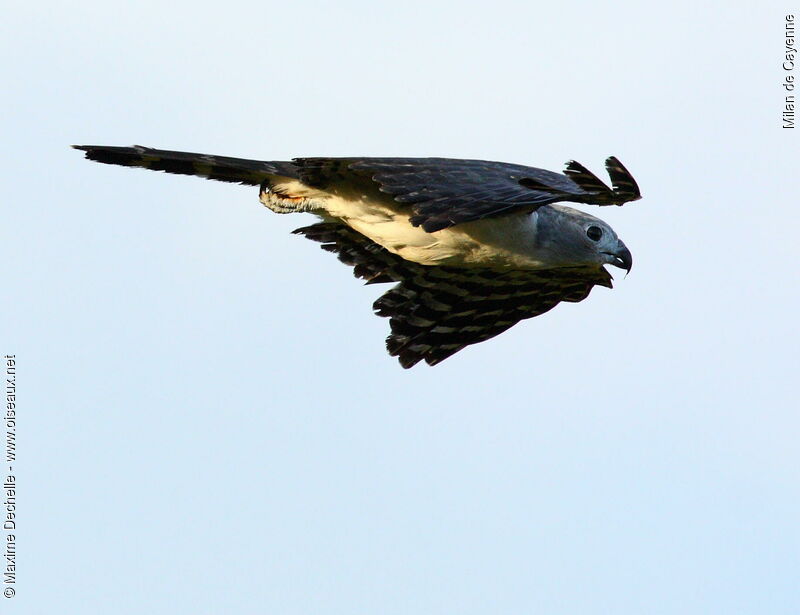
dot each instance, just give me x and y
(472, 246)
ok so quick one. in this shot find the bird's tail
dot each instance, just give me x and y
(221, 168)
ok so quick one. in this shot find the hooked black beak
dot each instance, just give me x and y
(622, 258)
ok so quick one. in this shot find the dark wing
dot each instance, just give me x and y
(221, 168)
(443, 192)
(436, 311)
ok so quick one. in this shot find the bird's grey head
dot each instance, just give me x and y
(573, 237)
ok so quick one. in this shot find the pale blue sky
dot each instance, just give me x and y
(208, 420)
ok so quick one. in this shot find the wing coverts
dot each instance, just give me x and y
(436, 311)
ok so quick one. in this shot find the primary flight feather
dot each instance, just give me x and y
(473, 246)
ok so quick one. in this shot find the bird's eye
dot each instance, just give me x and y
(594, 233)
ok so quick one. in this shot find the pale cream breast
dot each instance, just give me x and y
(506, 242)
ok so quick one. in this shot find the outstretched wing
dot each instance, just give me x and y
(436, 311)
(443, 192)
(220, 168)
